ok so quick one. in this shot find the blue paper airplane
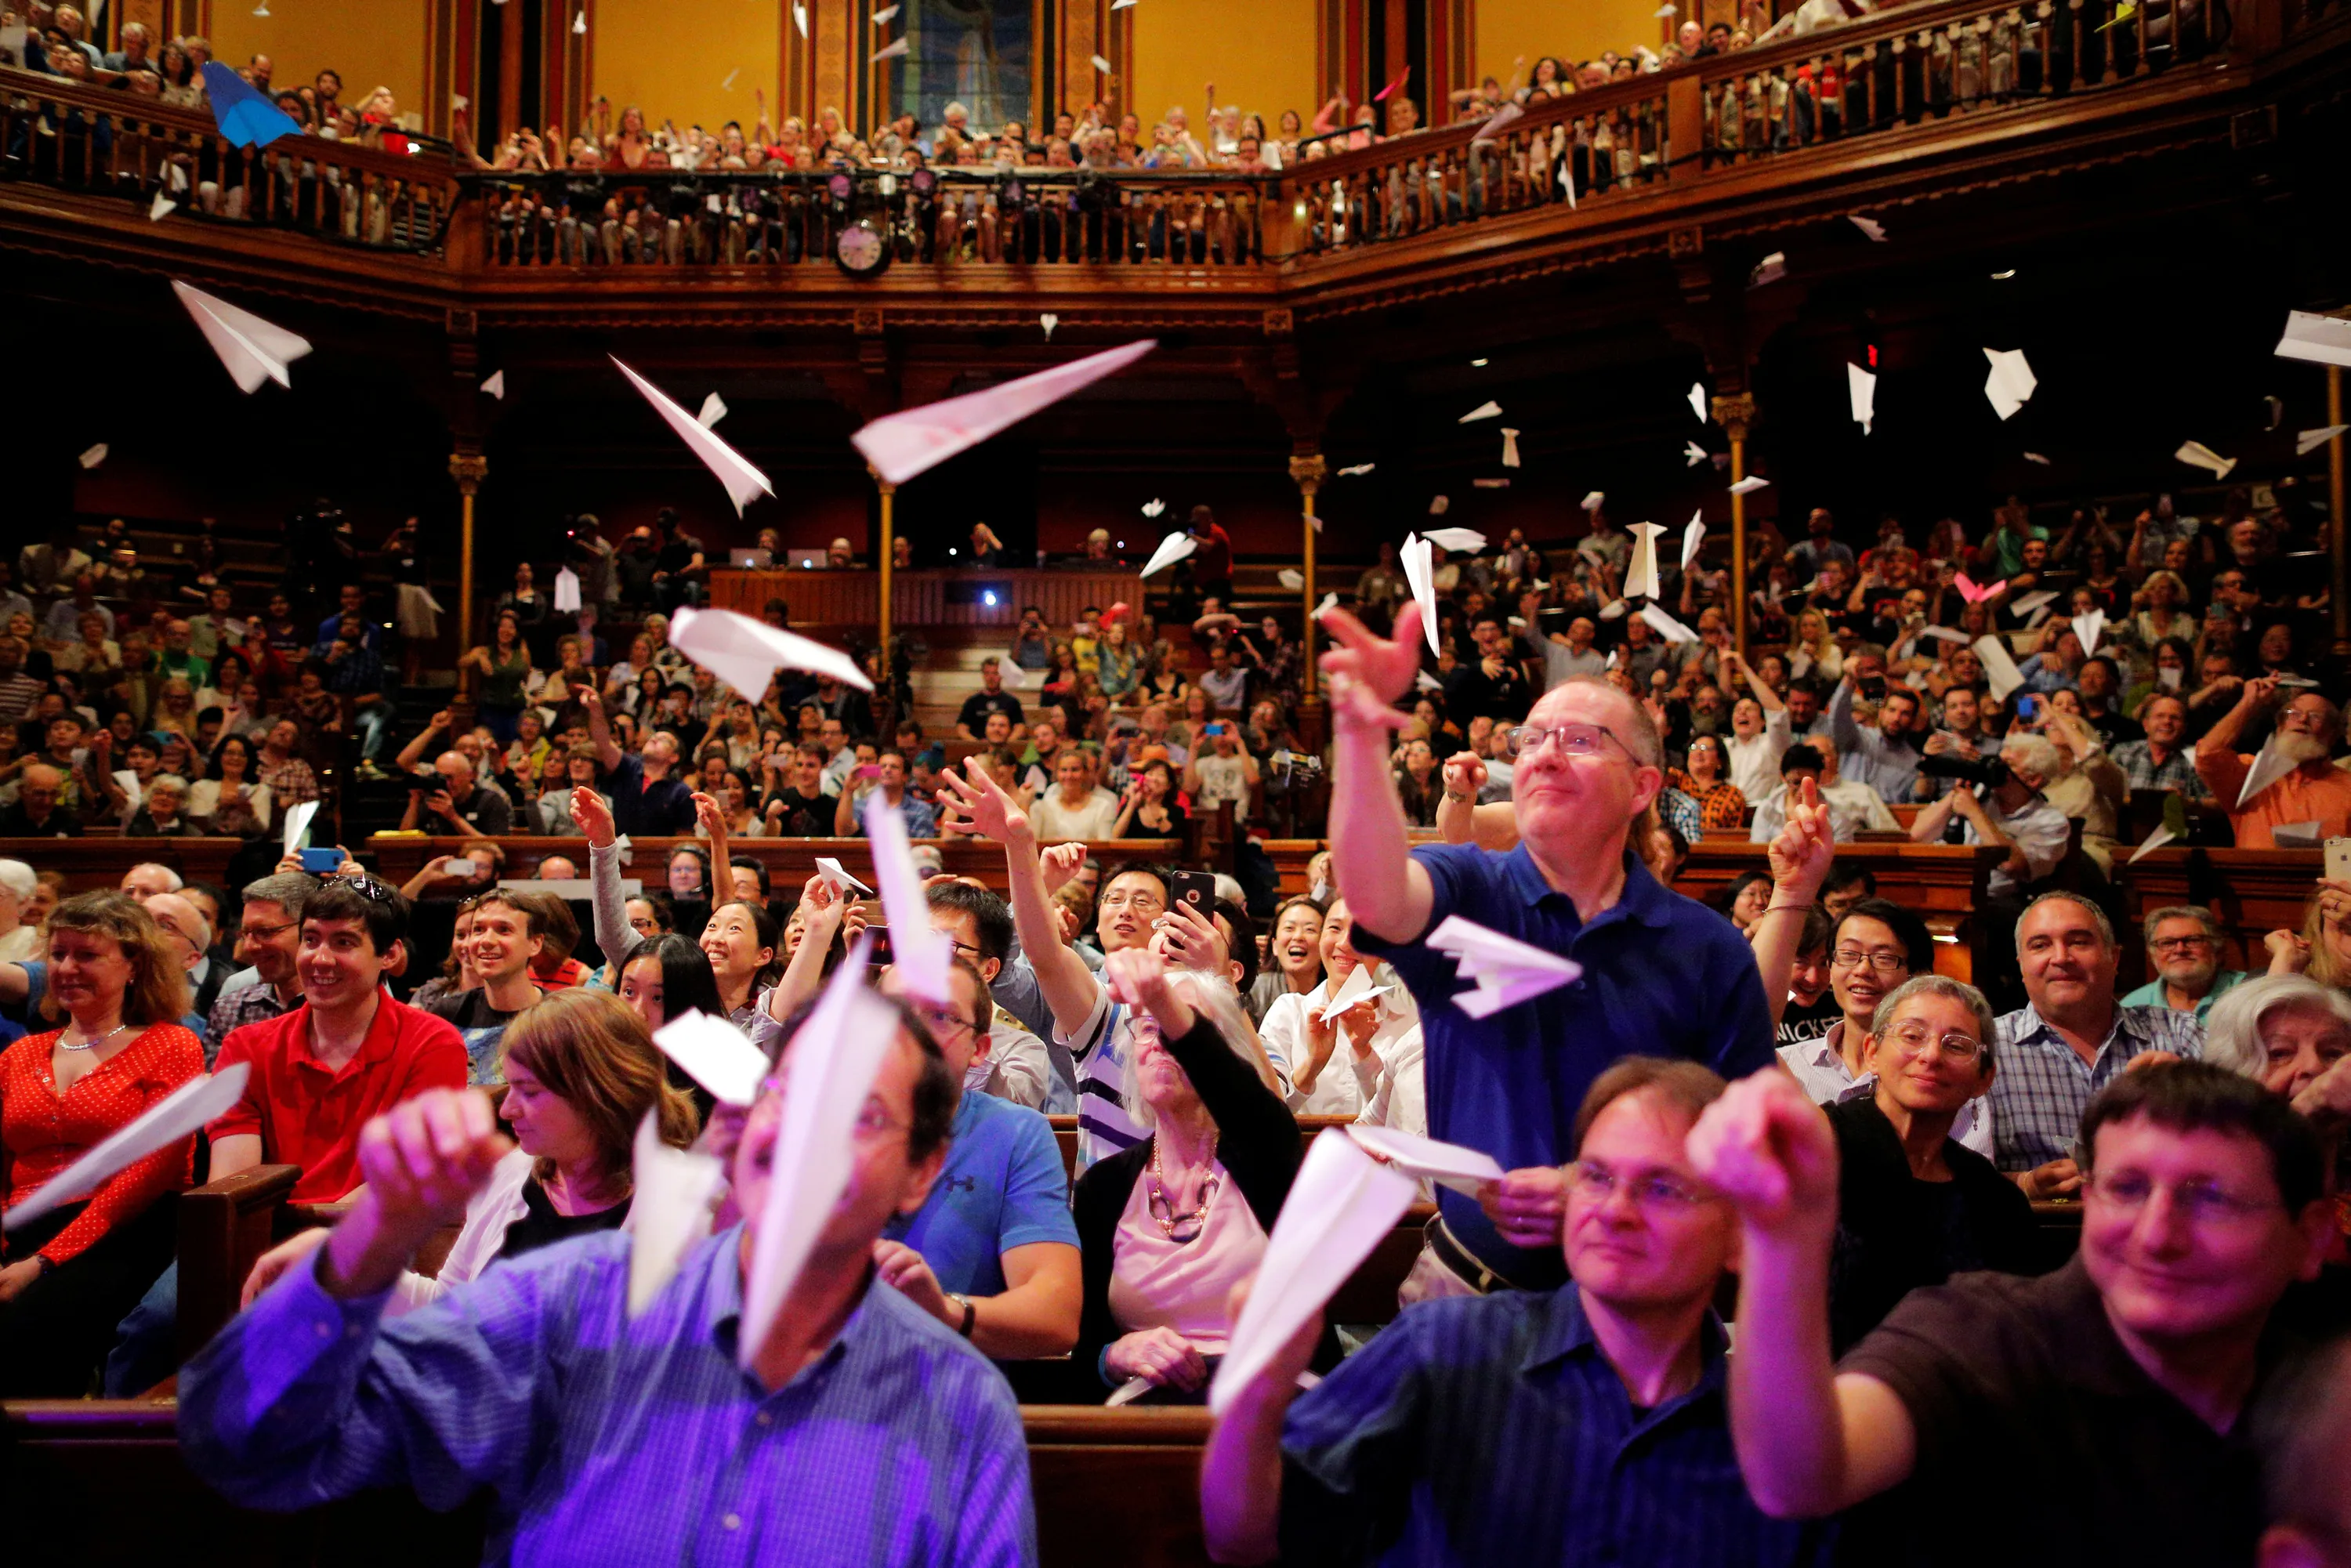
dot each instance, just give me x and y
(244, 116)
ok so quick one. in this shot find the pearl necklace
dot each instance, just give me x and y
(91, 1044)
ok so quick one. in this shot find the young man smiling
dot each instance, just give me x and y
(508, 935)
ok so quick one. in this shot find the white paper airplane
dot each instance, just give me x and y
(253, 350)
(1417, 572)
(1641, 575)
(1437, 505)
(715, 1054)
(94, 457)
(1154, 506)
(580, 23)
(1666, 626)
(1172, 549)
(1469, 540)
(1357, 987)
(1863, 388)
(1101, 65)
(1869, 227)
(829, 1069)
(1693, 452)
(2089, 629)
(1749, 486)
(1012, 676)
(2268, 767)
(297, 823)
(800, 19)
(1507, 971)
(901, 446)
(668, 1209)
(1121, 5)
(2310, 441)
(1771, 269)
(1465, 1170)
(160, 208)
(1594, 499)
(1423, 681)
(2295, 835)
(1483, 410)
(1613, 610)
(1049, 320)
(1342, 1203)
(1693, 538)
(1944, 634)
(1698, 400)
(1291, 579)
(179, 1114)
(2000, 673)
(1510, 447)
(2011, 381)
(2195, 455)
(1330, 603)
(1496, 123)
(713, 409)
(740, 478)
(920, 955)
(495, 386)
(832, 870)
(1490, 484)
(2322, 339)
(2037, 458)
(1359, 468)
(566, 590)
(746, 653)
(891, 50)
(728, 85)
(882, 16)
(2040, 599)
(1666, 11)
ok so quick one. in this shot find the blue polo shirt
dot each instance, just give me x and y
(1663, 976)
(1494, 1430)
(1002, 1187)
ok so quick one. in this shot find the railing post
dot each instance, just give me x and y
(889, 494)
(1734, 413)
(469, 469)
(2336, 526)
(1685, 120)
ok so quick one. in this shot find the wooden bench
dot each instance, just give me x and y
(2251, 893)
(789, 861)
(1942, 884)
(96, 862)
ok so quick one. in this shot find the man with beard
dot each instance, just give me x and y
(2183, 948)
(2315, 792)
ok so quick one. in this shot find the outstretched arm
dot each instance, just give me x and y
(1801, 857)
(979, 806)
(1369, 841)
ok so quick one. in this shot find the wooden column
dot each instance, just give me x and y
(469, 469)
(889, 493)
(509, 69)
(2334, 528)
(1307, 471)
(1734, 414)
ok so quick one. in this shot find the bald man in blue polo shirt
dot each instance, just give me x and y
(1662, 976)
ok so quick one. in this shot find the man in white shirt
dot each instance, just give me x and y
(1757, 739)
(2015, 816)
(1852, 806)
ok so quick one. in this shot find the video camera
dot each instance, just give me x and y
(1989, 771)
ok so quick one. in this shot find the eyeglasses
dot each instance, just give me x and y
(1136, 901)
(945, 1021)
(263, 933)
(1575, 739)
(1916, 1037)
(2179, 944)
(1885, 960)
(1597, 1183)
(2204, 1202)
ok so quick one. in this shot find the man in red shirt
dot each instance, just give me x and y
(1212, 555)
(347, 1054)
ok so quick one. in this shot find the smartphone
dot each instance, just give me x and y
(878, 955)
(2338, 860)
(1873, 688)
(866, 770)
(2028, 707)
(1197, 888)
(321, 863)
(461, 866)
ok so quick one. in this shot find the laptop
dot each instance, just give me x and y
(806, 559)
(750, 560)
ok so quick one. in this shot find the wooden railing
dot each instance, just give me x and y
(108, 142)
(976, 598)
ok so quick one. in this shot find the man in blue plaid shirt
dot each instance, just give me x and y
(2069, 1040)
(2162, 761)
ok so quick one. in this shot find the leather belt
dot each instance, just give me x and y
(1465, 1264)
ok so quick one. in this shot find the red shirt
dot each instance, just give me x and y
(45, 1131)
(1212, 555)
(310, 1117)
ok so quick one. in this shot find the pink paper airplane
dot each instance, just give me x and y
(901, 446)
(1973, 593)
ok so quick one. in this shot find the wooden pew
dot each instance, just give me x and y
(1940, 883)
(225, 1227)
(96, 861)
(789, 861)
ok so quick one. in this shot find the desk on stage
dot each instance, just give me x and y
(975, 598)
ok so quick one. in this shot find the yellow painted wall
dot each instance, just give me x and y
(1259, 53)
(672, 61)
(1579, 30)
(371, 43)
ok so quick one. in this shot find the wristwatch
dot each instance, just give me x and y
(970, 1312)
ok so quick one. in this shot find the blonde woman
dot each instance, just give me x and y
(1812, 650)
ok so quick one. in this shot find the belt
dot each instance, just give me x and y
(1464, 1263)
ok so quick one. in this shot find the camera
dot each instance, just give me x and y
(1989, 771)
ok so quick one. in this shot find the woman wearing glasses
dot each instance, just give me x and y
(1914, 1206)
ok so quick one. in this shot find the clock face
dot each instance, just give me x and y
(859, 248)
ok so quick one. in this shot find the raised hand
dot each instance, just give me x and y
(1060, 864)
(593, 817)
(1805, 847)
(1768, 1149)
(1368, 673)
(980, 806)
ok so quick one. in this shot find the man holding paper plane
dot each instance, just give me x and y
(1660, 975)
(1585, 1423)
(847, 1427)
(2292, 779)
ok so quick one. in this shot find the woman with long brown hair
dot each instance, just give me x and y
(71, 1275)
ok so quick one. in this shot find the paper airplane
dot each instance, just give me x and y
(1356, 987)
(2322, 339)
(2089, 628)
(1437, 505)
(901, 446)
(566, 590)
(1507, 971)
(1356, 469)
(1489, 410)
(1172, 549)
(182, 1114)
(1749, 486)
(1013, 675)
(2010, 382)
(1973, 592)
(713, 409)
(1490, 484)
(244, 116)
(580, 21)
(742, 480)
(1594, 499)
(669, 1209)
(1330, 603)
(728, 85)
(1340, 1205)
(1049, 320)
(891, 50)
(1422, 680)
(252, 350)
(1943, 633)
(297, 823)
(1465, 1170)
(2036, 457)
(828, 1068)
(1693, 452)
(495, 386)
(800, 19)
(163, 207)
(1666, 626)
(1417, 572)
(1101, 65)
(1698, 400)
(2000, 673)
(2295, 835)
(1862, 386)
(921, 956)
(2123, 13)
(94, 457)
(2027, 604)
(262, 9)
(1291, 579)
(1498, 122)
(2195, 455)
(1641, 575)
(1613, 610)
(2170, 829)
(1771, 269)
(1154, 506)
(2310, 441)
(1469, 540)
(832, 871)
(1121, 5)
(746, 653)
(2268, 767)
(1388, 91)
(1693, 538)
(1869, 227)
(1510, 447)
(882, 16)
(1663, 12)
(715, 1054)
(2277, 412)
